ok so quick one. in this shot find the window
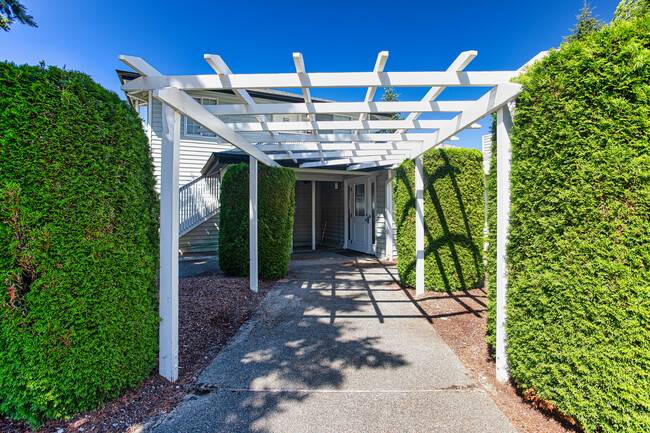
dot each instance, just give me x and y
(333, 117)
(191, 127)
(360, 200)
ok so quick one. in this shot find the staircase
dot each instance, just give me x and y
(198, 201)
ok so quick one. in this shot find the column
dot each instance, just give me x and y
(168, 303)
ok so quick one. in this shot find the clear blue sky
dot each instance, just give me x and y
(260, 36)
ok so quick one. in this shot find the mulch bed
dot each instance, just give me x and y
(460, 318)
(211, 309)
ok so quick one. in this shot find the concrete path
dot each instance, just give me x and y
(337, 347)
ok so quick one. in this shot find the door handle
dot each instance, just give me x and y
(367, 219)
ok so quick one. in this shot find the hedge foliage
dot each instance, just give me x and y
(276, 205)
(579, 254)
(78, 244)
(454, 218)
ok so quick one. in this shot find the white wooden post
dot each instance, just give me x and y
(168, 303)
(313, 215)
(419, 226)
(252, 218)
(346, 227)
(504, 156)
(390, 222)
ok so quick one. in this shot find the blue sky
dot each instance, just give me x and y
(256, 36)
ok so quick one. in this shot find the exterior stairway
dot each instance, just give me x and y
(199, 216)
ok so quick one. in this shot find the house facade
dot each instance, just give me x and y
(334, 207)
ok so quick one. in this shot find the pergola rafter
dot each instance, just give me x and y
(337, 147)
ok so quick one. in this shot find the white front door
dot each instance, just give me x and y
(360, 216)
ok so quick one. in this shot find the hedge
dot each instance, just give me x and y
(454, 218)
(78, 244)
(276, 206)
(579, 254)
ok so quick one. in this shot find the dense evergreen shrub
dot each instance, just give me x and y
(454, 218)
(78, 244)
(276, 206)
(579, 253)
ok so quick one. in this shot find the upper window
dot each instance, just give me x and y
(191, 127)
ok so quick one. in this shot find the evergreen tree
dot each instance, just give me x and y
(586, 25)
(12, 11)
(628, 10)
(389, 96)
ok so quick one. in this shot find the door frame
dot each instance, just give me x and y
(371, 210)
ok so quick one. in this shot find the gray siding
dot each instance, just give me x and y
(202, 239)
(302, 216)
(331, 227)
(381, 216)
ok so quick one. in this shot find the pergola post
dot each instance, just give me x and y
(346, 216)
(313, 215)
(390, 225)
(419, 226)
(168, 299)
(252, 218)
(504, 156)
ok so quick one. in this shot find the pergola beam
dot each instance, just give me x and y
(221, 68)
(341, 153)
(488, 103)
(302, 138)
(457, 65)
(139, 65)
(370, 93)
(186, 105)
(322, 80)
(352, 160)
(380, 107)
(309, 147)
(329, 125)
(374, 164)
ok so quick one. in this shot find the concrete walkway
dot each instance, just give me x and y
(337, 347)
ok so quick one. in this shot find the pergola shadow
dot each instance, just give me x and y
(326, 332)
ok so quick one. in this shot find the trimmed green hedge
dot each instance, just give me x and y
(454, 219)
(579, 253)
(78, 244)
(276, 206)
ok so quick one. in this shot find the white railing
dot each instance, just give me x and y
(198, 201)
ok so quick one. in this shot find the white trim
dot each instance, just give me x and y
(184, 122)
(346, 215)
(253, 231)
(382, 57)
(139, 65)
(504, 156)
(169, 226)
(388, 217)
(313, 214)
(488, 103)
(184, 103)
(458, 65)
(323, 80)
(355, 160)
(419, 226)
(379, 107)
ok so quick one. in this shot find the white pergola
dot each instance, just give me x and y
(310, 143)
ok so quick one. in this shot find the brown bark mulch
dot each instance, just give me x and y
(211, 310)
(460, 318)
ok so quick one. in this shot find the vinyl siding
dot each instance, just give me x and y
(302, 216)
(331, 227)
(202, 239)
(381, 216)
